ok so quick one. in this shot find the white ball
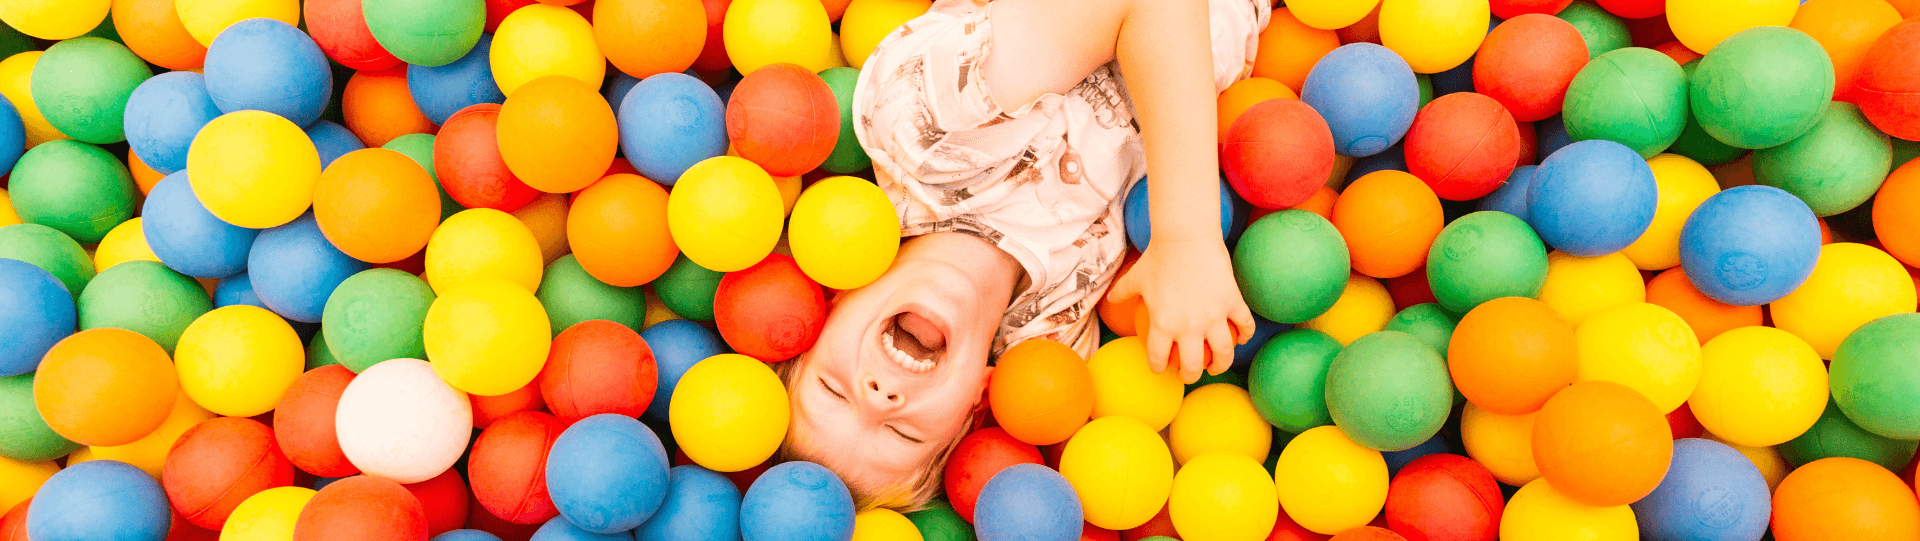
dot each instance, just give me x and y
(400, 421)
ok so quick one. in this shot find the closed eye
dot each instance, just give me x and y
(836, 394)
(903, 435)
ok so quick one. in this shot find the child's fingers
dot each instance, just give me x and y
(1126, 288)
(1220, 339)
(1158, 344)
(1243, 324)
(1193, 357)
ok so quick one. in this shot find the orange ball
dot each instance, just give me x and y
(1320, 203)
(1389, 219)
(1845, 28)
(557, 134)
(546, 217)
(378, 107)
(152, 29)
(618, 230)
(143, 177)
(1844, 498)
(1602, 443)
(1509, 355)
(105, 387)
(1896, 214)
(1708, 318)
(1041, 392)
(1245, 93)
(376, 205)
(646, 37)
(1290, 48)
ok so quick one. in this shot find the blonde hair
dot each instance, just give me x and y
(905, 498)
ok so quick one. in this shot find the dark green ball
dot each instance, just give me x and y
(1762, 87)
(1231, 376)
(81, 85)
(1694, 142)
(1633, 96)
(1875, 376)
(24, 435)
(1602, 31)
(1428, 322)
(74, 187)
(317, 353)
(1389, 391)
(570, 296)
(1833, 435)
(1292, 266)
(144, 297)
(848, 156)
(52, 251)
(1833, 168)
(13, 42)
(1904, 151)
(1288, 379)
(939, 522)
(687, 289)
(1484, 256)
(419, 146)
(376, 315)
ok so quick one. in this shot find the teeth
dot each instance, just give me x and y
(901, 358)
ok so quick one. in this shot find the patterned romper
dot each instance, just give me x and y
(1043, 182)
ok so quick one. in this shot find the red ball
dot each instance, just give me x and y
(1463, 145)
(219, 463)
(1634, 9)
(340, 30)
(179, 530)
(362, 508)
(466, 158)
(596, 367)
(497, 10)
(13, 525)
(1285, 529)
(770, 311)
(303, 422)
(1526, 64)
(979, 456)
(1160, 525)
(1089, 532)
(1370, 533)
(479, 519)
(1683, 424)
(1277, 153)
(487, 409)
(1651, 31)
(784, 118)
(508, 467)
(713, 55)
(444, 498)
(1529, 144)
(1444, 497)
(1890, 81)
(1410, 290)
(1508, 9)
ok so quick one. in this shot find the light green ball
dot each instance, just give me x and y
(24, 434)
(81, 85)
(1835, 167)
(52, 251)
(74, 187)
(1484, 256)
(144, 297)
(374, 316)
(571, 295)
(427, 33)
(1762, 87)
(1291, 265)
(1389, 391)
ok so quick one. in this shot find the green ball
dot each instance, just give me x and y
(1833, 168)
(1762, 87)
(687, 289)
(52, 251)
(1833, 435)
(1288, 379)
(419, 146)
(317, 353)
(1292, 266)
(1231, 376)
(1389, 391)
(1694, 142)
(13, 42)
(374, 316)
(81, 85)
(1484, 256)
(1602, 31)
(1633, 96)
(74, 187)
(1426, 88)
(572, 296)
(1428, 322)
(847, 157)
(144, 297)
(939, 522)
(1876, 378)
(427, 33)
(24, 435)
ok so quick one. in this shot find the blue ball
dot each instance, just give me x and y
(1511, 196)
(701, 506)
(467, 535)
(618, 86)
(294, 269)
(558, 529)
(442, 91)
(268, 65)
(1551, 135)
(677, 344)
(798, 501)
(236, 289)
(332, 140)
(1027, 502)
(163, 115)
(1592, 198)
(1711, 493)
(1399, 459)
(99, 500)
(669, 122)
(1263, 331)
(607, 473)
(1749, 245)
(1393, 158)
(186, 237)
(1140, 220)
(1367, 94)
(13, 136)
(35, 313)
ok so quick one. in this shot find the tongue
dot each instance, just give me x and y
(922, 330)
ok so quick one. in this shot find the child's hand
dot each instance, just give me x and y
(1193, 303)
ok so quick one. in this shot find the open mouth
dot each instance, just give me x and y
(913, 341)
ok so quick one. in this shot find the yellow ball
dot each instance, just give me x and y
(1683, 185)
(725, 213)
(1331, 14)
(1124, 385)
(839, 56)
(1759, 386)
(7, 215)
(1701, 24)
(1502, 443)
(237, 360)
(789, 190)
(253, 169)
(1328, 483)
(483, 243)
(1851, 285)
(1433, 35)
(869, 21)
(267, 515)
(761, 32)
(729, 412)
(844, 233)
(657, 311)
(1223, 497)
(882, 524)
(487, 336)
(1577, 287)
(1773, 467)
(546, 218)
(540, 40)
(150, 452)
(54, 19)
(16, 83)
(1538, 512)
(1643, 346)
(1121, 469)
(1219, 417)
(1364, 308)
(19, 480)
(205, 19)
(125, 242)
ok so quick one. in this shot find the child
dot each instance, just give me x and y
(1006, 136)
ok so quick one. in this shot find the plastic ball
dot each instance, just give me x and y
(1484, 256)
(983, 453)
(376, 315)
(167, 110)
(239, 360)
(848, 157)
(1836, 436)
(540, 41)
(571, 296)
(361, 507)
(939, 522)
(467, 160)
(1502, 443)
(294, 269)
(770, 311)
(50, 250)
(466, 535)
(81, 405)
(31, 439)
(425, 32)
(1851, 284)
(867, 22)
(1367, 94)
(1708, 318)
(122, 244)
(1540, 511)
(844, 232)
(1030, 502)
(376, 205)
(487, 336)
(1288, 379)
(82, 86)
(1277, 153)
(618, 230)
(1041, 393)
(1886, 84)
(1463, 145)
(332, 141)
(546, 218)
(445, 499)
(269, 66)
(35, 313)
(482, 243)
(267, 515)
(1527, 62)
(1633, 96)
(441, 91)
(556, 134)
(700, 506)
(1578, 287)
(785, 119)
(1219, 417)
(883, 524)
(797, 501)
(1300, 246)
(725, 213)
(1845, 29)
(1749, 245)
(1592, 198)
(598, 367)
(1642, 346)
(1702, 26)
(668, 123)
(399, 421)
(729, 412)
(339, 27)
(508, 466)
(1893, 220)
(101, 499)
(1433, 35)
(600, 457)
(152, 29)
(1120, 469)
(677, 345)
(1288, 50)
(648, 37)
(1510, 355)
(1746, 110)
(1711, 492)
(253, 169)
(1327, 483)
(1840, 498)
(1332, 14)
(303, 422)
(1624, 465)
(758, 33)
(1364, 307)
(1123, 385)
(1682, 185)
(13, 143)
(220, 463)
(74, 187)
(1869, 376)
(1833, 168)
(1382, 412)
(1444, 496)
(378, 107)
(54, 20)
(1389, 220)
(16, 74)
(1223, 496)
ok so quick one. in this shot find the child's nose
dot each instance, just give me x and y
(879, 393)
